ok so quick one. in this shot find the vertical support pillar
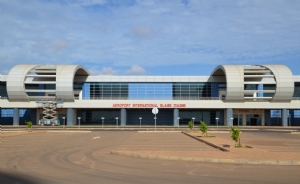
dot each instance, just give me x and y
(123, 117)
(229, 115)
(284, 117)
(244, 119)
(263, 118)
(70, 116)
(75, 116)
(255, 95)
(176, 115)
(16, 120)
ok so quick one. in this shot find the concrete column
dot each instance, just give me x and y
(229, 115)
(284, 117)
(244, 119)
(16, 120)
(255, 95)
(70, 117)
(263, 118)
(123, 117)
(176, 115)
(37, 116)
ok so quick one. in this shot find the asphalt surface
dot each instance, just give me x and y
(84, 157)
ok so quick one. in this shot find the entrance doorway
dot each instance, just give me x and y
(253, 121)
(237, 119)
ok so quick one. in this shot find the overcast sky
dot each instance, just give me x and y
(139, 37)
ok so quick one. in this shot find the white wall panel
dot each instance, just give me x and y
(65, 78)
(284, 83)
(15, 82)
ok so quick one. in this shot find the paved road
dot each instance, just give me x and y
(85, 158)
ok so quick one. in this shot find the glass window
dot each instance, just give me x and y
(296, 113)
(269, 87)
(10, 112)
(297, 89)
(250, 86)
(3, 92)
(7, 113)
(275, 113)
(150, 91)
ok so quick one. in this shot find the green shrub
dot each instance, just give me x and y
(29, 125)
(235, 135)
(191, 125)
(203, 128)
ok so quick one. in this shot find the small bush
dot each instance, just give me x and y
(203, 128)
(235, 135)
(191, 125)
(29, 125)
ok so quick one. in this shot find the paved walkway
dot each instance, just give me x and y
(267, 148)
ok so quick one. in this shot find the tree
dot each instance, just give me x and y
(29, 125)
(235, 135)
(191, 125)
(203, 128)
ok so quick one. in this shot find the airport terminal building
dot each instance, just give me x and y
(239, 95)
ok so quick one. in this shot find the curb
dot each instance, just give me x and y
(207, 160)
(16, 131)
(206, 142)
(159, 131)
(67, 131)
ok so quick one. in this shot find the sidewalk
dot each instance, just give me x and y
(270, 151)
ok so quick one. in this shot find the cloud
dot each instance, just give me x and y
(166, 33)
(108, 71)
(140, 32)
(135, 70)
(59, 45)
(4, 72)
(91, 2)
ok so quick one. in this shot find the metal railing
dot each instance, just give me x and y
(127, 98)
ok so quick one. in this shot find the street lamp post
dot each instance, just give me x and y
(117, 121)
(79, 122)
(140, 121)
(155, 122)
(217, 122)
(64, 122)
(193, 122)
(102, 121)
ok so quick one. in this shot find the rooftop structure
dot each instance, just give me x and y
(232, 95)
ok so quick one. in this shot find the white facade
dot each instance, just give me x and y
(57, 81)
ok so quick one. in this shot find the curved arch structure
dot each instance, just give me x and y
(15, 82)
(65, 78)
(236, 76)
(235, 81)
(284, 82)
